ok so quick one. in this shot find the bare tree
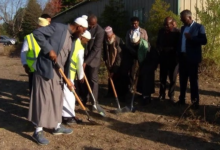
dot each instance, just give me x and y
(11, 13)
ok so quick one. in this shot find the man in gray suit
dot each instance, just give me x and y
(56, 42)
(93, 55)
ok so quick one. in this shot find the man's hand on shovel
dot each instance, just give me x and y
(53, 56)
(70, 85)
(82, 80)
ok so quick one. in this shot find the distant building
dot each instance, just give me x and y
(139, 8)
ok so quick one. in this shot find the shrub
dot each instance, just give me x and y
(159, 11)
(209, 16)
(114, 15)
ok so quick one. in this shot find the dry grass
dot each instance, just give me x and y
(150, 127)
(12, 50)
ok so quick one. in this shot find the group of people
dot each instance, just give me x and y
(77, 48)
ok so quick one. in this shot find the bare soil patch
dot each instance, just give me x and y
(151, 127)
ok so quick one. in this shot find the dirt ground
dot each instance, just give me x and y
(153, 127)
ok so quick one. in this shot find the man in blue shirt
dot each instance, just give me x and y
(193, 36)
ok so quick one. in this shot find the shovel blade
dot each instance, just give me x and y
(99, 109)
(122, 110)
(92, 122)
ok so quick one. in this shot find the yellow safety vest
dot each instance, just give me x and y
(74, 60)
(33, 51)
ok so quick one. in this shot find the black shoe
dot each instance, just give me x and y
(180, 103)
(146, 101)
(71, 120)
(195, 106)
(161, 97)
(77, 120)
(84, 103)
(172, 98)
(108, 95)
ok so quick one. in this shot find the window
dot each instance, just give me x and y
(139, 13)
(135, 13)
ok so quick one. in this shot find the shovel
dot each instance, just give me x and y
(119, 110)
(133, 91)
(96, 105)
(134, 85)
(73, 91)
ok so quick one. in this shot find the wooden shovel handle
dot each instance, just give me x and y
(87, 83)
(113, 86)
(69, 84)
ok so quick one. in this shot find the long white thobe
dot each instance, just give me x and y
(68, 97)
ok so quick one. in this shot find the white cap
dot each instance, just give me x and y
(81, 21)
(43, 22)
(135, 36)
(87, 35)
(85, 17)
(109, 30)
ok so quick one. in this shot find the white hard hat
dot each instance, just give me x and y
(43, 22)
(87, 35)
(81, 21)
(85, 17)
(135, 36)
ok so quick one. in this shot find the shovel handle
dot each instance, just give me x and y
(113, 86)
(87, 83)
(69, 84)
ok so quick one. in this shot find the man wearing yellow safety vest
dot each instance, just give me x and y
(31, 49)
(75, 65)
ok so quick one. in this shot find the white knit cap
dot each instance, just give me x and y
(81, 21)
(135, 36)
(87, 35)
(43, 22)
(109, 30)
(85, 17)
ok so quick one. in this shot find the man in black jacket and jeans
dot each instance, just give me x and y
(167, 41)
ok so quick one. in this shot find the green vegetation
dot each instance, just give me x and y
(209, 16)
(32, 12)
(159, 11)
(114, 15)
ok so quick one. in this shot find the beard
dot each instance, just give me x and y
(111, 40)
(77, 34)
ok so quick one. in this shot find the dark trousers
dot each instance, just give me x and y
(146, 84)
(188, 70)
(30, 81)
(121, 82)
(168, 68)
(93, 78)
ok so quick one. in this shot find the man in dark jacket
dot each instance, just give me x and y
(112, 55)
(167, 41)
(193, 36)
(93, 56)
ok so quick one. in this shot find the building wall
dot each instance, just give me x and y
(94, 7)
(191, 4)
(138, 8)
(143, 6)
